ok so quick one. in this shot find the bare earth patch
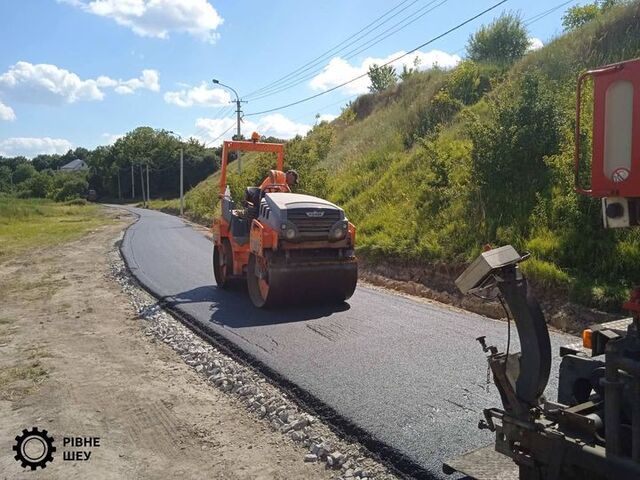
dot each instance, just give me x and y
(75, 361)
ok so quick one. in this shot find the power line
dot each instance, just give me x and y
(317, 110)
(402, 24)
(541, 15)
(223, 114)
(460, 25)
(534, 18)
(332, 50)
(219, 136)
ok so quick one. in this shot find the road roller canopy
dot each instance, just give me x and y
(251, 146)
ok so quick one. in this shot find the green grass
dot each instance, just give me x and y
(33, 223)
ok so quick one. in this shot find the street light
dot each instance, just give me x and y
(181, 172)
(238, 112)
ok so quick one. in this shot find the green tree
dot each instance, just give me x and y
(502, 42)
(160, 149)
(67, 186)
(38, 186)
(5, 178)
(382, 77)
(45, 161)
(23, 172)
(579, 15)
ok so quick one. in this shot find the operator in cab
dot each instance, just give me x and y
(279, 181)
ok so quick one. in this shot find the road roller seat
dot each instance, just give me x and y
(252, 197)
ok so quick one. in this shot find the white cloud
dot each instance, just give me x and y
(44, 83)
(339, 70)
(49, 84)
(276, 125)
(158, 18)
(202, 95)
(32, 146)
(7, 113)
(535, 44)
(212, 128)
(148, 80)
(326, 117)
(111, 138)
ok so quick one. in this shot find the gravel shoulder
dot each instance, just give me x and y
(80, 357)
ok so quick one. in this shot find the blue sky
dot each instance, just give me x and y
(81, 72)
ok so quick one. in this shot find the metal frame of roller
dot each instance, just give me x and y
(289, 248)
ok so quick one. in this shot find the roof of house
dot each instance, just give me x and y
(76, 164)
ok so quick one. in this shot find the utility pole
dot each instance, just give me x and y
(144, 201)
(119, 191)
(238, 112)
(238, 118)
(133, 184)
(148, 194)
(181, 181)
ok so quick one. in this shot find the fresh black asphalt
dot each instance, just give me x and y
(409, 373)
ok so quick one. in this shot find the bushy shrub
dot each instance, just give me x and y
(547, 274)
(68, 186)
(5, 179)
(509, 147)
(502, 42)
(440, 110)
(468, 82)
(23, 172)
(37, 186)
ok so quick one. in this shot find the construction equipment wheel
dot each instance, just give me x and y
(223, 264)
(275, 283)
(261, 292)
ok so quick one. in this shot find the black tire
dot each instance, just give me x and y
(223, 264)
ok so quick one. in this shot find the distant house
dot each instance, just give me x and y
(76, 165)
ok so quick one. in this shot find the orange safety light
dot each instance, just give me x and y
(586, 338)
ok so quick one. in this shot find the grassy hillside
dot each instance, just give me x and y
(448, 161)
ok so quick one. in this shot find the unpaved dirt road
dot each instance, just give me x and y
(74, 361)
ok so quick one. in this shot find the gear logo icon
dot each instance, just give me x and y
(34, 448)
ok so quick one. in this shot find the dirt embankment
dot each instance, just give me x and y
(75, 361)
(436, 282)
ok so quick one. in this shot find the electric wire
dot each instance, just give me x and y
(532, 19)
(359, 49)
(219, 136)
(456, 27)
(333, 50)
(546, 13)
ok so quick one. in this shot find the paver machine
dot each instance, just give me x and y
(593, 431)
(289, 248)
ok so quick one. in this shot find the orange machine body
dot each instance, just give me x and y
(259, 250)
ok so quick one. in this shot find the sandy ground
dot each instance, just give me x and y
(74, 361)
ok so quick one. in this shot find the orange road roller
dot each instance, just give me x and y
(290, 248)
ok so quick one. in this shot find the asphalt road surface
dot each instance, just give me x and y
(409, 373)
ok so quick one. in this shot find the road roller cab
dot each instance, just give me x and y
(288, 247)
